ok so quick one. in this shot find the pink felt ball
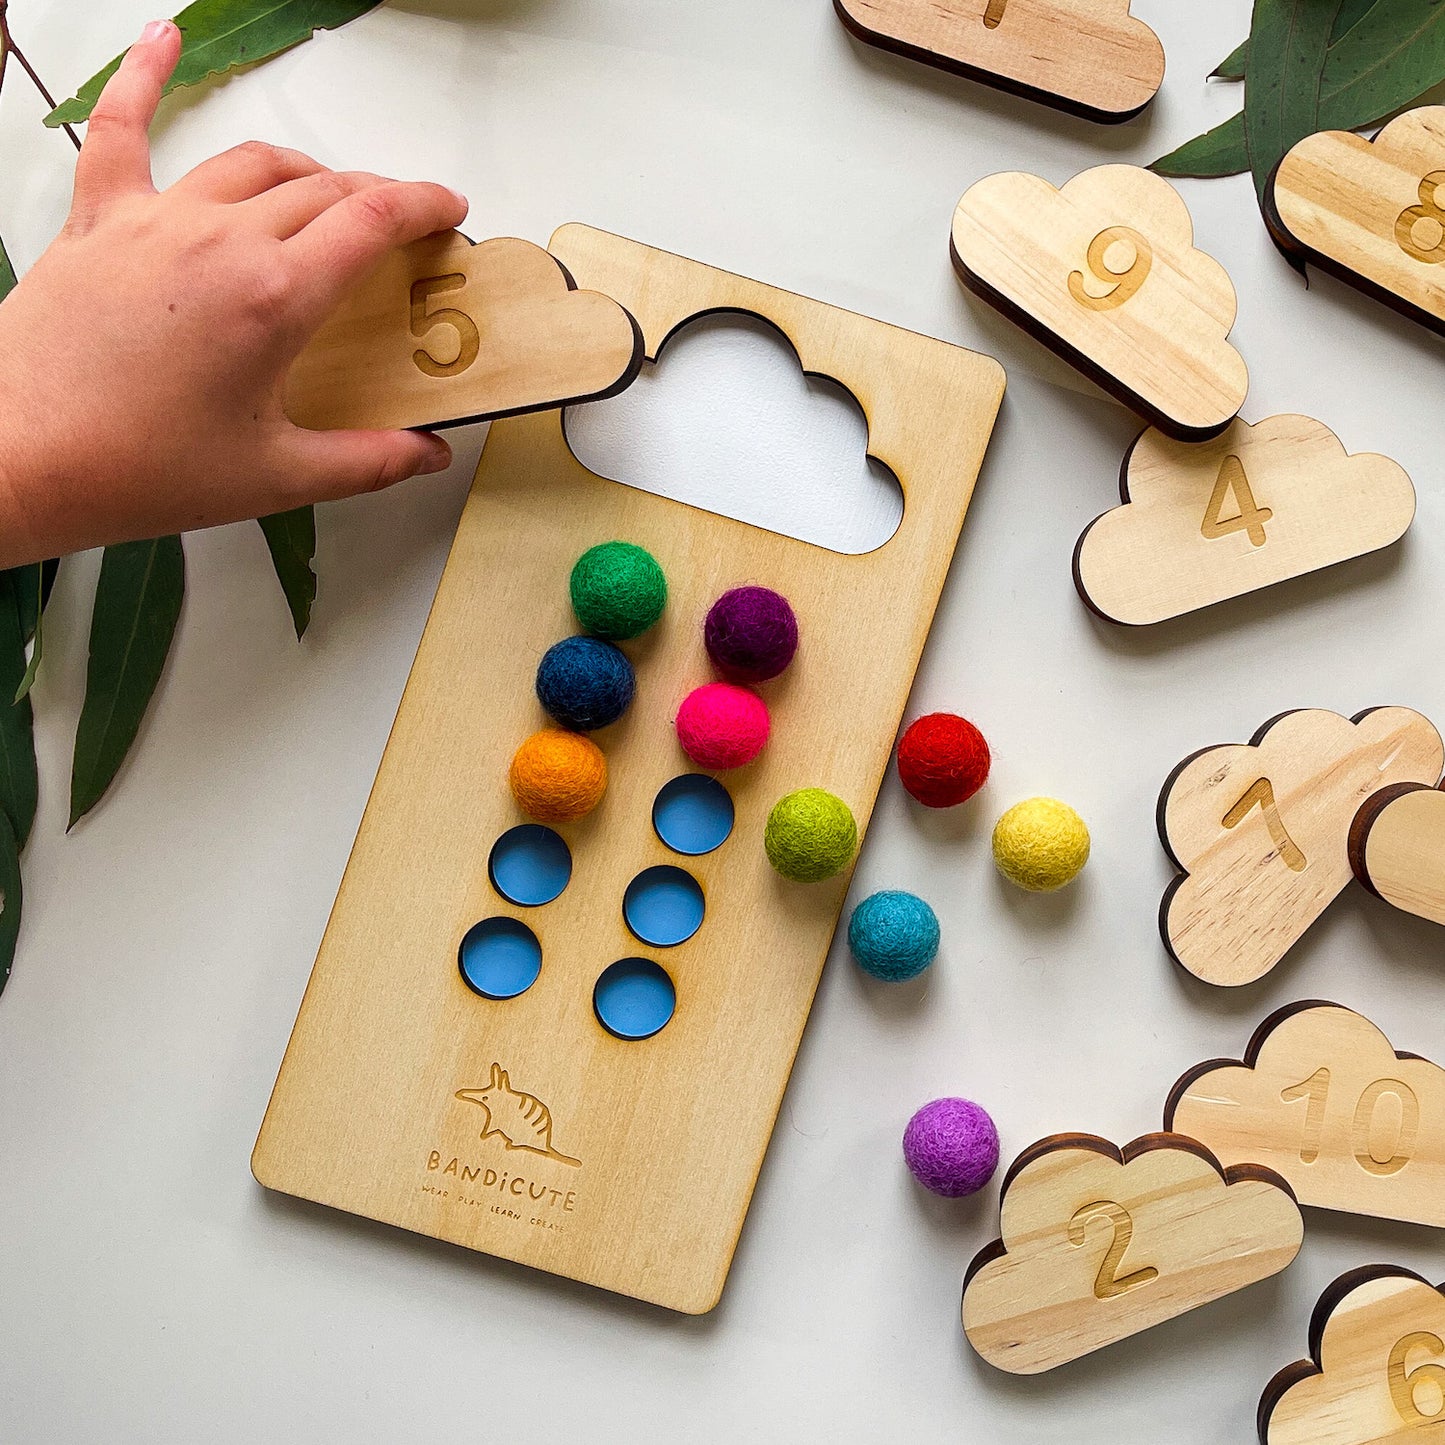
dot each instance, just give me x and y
(721, 725)
(951, 1147)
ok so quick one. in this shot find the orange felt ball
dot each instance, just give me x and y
(557, 776)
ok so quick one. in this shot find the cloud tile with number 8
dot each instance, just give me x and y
(1106, 273)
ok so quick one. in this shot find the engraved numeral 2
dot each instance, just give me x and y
(1427, 210)
(1261, 795)
(1250, 518)
(1123, 284)
(1316, 1089)
(1405, 1384)
(1110, 1284)
(993, 16)
(424, 321)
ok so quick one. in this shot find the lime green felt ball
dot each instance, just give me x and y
(1040, 844)
(618, 590)
(811, 835)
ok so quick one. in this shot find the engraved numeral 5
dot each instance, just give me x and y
(1251, 518)
(1261, 795)
(1427, 210)
(1110, 1284)
(1125, 283)
(424, 321)
(993, 16)
(1405, 1384)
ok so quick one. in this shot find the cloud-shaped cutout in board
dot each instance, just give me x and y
(1098, 1244)
(1260, 831)
(1258, 505)
(1323, 1098)
(1376, 1371)
(444, 332)
(1106, 273)
(1091, 57)
(1370, 212)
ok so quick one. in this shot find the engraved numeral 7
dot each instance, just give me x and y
(1261, 795)
(993, 16)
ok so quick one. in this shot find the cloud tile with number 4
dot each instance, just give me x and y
(1099, 1243)
(1260, 504)
(1260, 831)
(1323, 1098)
(1106, 273)
(444, 332)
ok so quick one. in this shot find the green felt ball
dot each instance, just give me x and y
(810, 836)
(618, 590)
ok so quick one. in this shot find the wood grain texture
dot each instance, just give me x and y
(1397, 849)
(1201, 523)
(1368, 212)
(1105, 272)
(1322, 1097)
(1097, 1244)
(1376, 1370)
(445, 332)
(1260, 831)
(670, 1132)
(1089, 57)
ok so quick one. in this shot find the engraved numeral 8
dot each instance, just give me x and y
(1124, 282)
(1427, 210)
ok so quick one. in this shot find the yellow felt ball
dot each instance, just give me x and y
(1040, 844)
(558, 776)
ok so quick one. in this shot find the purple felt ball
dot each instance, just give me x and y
(751, 634)
(951, 1147)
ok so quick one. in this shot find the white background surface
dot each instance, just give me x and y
(150, 1291)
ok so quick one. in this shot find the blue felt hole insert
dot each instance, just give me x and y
(500, 958)
(693, 814)
(663, 906)
(634, 998)
(530, 865)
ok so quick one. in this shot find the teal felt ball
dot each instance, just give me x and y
(618, 590)
(894, 936)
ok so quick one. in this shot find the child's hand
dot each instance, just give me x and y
(142, 358)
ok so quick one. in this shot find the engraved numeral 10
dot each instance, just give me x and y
(1405, 1384)
(1125, 281)
(993, 16)
(1260, 794)
(425, 321)
(1109, 1284)
(1427, 210)
(1316, 1089)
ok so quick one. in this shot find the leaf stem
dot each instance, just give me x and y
(8, 47)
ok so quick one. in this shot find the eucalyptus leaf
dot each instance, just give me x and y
(1219, 152)
(7, 273)
(219, 35)
(34, 587)
(1232, 67)
(291, 536)
(137, 604)
(10, 898)
(1389, 57)
(30, 604)
(19, 777)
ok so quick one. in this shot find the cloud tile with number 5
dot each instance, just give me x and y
(1322, 1098)
(444, 332)
(1370, 212)
(1260, 831)
(1099, 1243)
(1106, 273)
(1259, 504)
(1376, 1372)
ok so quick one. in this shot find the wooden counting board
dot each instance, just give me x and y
(1205, 522)
(1098, 1244)
(1323, 1098)
(444, 332)
(1376, 1372)
(1090, 57)
(1397, 848)
(1367, 211)
(641, 1177)
(1105, 272)
(1260, 831)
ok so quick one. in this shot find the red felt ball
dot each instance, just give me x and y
(943, 760)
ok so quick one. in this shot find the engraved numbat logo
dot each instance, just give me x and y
(519, 1120)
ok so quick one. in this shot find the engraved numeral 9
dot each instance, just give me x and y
(1260, 794)
(1316, 1089)
(424, 321)
(993, 16)
(1427, 210)
(1405, 1384)
(1110, 1284)
(1122, 283)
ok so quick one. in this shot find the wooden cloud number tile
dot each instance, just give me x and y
(1258, 505)
(1322, 1098)
(1370, 212)
(1397, 849)
(1106, 273)
(1091, 57)
(1260, 831)
(1098, 1244)
(446, 332)
(1376, 1372)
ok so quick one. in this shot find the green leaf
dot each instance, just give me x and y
(1392, 55)
(1219, 152)
(19, 777)
(32, 590)
(291, 536)
(7, 273)
(10, 898)
(1233, 65)
(137, 604)
(222, 34)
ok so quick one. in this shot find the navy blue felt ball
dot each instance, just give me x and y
(585, 683)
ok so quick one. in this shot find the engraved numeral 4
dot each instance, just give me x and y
(1250, 518)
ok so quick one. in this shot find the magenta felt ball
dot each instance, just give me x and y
(751, 634)
(722, 726)
(951, 1147)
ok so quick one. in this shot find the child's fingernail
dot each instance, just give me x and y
(439, 460)
(156, 30)
(462, 201)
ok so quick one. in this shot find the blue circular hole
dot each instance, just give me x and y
(663, 906)
(530, 865)
(693, 814)
(500, 958)
(634, 998)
